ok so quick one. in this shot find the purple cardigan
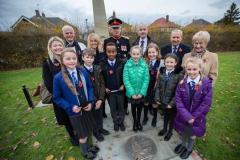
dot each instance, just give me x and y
(199, 108)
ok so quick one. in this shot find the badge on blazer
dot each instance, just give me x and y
(180, 50)
(80, 84)
(93, 79)
(124, 48)
(110, 71)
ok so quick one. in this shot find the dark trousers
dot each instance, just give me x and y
(116, 103)
(169, 115)
(98, 117)
(136, 111)
(149, 107)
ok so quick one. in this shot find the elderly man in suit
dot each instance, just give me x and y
(176, 47)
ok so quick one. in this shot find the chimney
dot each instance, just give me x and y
(37, 13)
(167, 18)
(43, 15)
(114, 14)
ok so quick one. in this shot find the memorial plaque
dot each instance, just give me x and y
(140, 147)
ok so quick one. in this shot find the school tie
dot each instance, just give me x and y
(112, 64)
(90, 69)
(175, 49)
(74, 78)
(151, 64)
(192, 85)
(167, 76)
(142, 46)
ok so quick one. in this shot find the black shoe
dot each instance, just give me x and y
(89, 155)
(179, 149)
(154, 122)
(162, 132)
(122, 127)
(104, 132)
(168, 136)
(135, 128)
(104, 115)
(139, 126)
(145, 120)
(99, 137)
(74, 141)
(185, 154)
(94, 149)
(116, 127)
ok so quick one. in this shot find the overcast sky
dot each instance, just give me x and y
(131, 11)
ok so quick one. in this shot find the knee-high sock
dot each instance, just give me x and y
(190, 143)
(84, 148)
(146, 111)
(139, 112)
(155, 113)
(134, 114)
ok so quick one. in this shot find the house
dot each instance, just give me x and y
(198, 22)
(39, 23)
(163, 25)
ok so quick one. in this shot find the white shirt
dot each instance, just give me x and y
(71, 71)
(88, 68)
(144, 44)
(110, 62)
(169, 72)
(152, 62)
(196, 80)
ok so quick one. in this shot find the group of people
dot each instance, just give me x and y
(175, 79)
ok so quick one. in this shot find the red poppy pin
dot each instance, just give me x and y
(196, 88)
(110, 71)
(180, 50)
(80, 84)
(152, 72)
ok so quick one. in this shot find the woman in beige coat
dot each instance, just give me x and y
(200, 41)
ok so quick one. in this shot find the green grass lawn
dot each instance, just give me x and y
(20, 128)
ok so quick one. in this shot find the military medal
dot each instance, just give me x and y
(124, 48)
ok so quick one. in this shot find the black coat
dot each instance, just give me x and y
(123, 46)
(182, 49)
(49, 70)
(136, 42)
(98, 82)
(165, 90)
(118, 78)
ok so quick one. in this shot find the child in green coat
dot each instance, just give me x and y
(136, 80)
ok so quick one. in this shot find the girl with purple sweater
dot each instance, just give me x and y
(193, 100)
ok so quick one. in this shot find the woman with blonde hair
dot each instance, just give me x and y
(51, 66)
(200, 41)
(94, 42)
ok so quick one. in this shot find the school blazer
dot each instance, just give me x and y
(64, 97)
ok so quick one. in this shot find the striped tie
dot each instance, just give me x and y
(74, 78)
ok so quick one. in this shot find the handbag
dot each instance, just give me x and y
(45, 95)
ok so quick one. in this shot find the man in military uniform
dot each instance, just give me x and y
(122, 43)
